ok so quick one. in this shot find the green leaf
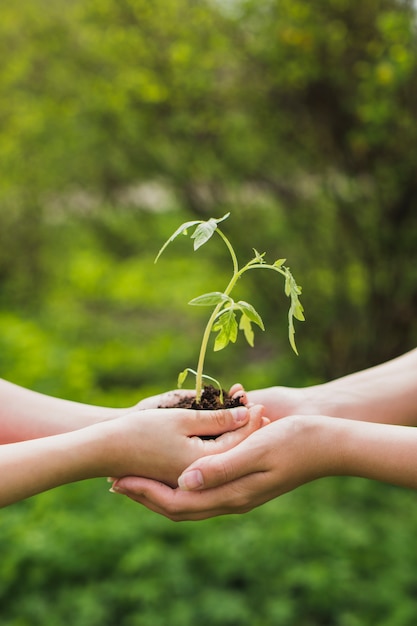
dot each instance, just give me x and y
(205, 230)
(246, 325)
(180, 230)
(279, 262)
(202, 233)
(210, 299)
(258, 258)
(293, 290)
(182, 377)
(287, 287)
(298, 311)
(291, 333)
(227, 328)
(251, 313)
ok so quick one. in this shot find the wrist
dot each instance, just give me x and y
(324, 399)
(323, 441)
(89, 452)
(104, 448)
(329, 399)
(120, 446)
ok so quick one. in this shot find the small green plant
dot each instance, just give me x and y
(223, 317)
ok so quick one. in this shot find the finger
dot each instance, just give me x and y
(237, 392)
(217, 422)
(238, 497)
(214, 470)
(236, 388)
(232, 438)
(160, 498)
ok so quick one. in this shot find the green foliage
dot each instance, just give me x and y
(300, 119)
(223, 317)
(120, 119)
(329, 553)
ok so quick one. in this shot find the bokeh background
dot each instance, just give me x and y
(119, 120)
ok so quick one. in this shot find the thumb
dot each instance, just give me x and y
(215, 470)
(219, 421)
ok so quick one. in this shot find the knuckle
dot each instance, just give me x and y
(220, 417)
(242, 501)
(175, 511)
(244, 505)
(218, 470)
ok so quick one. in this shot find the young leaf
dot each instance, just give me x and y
(287, 287)
(279, 262)
(246, 325)
(182, 377)
(258, 258)
(227, 328)
(291, 333)
(205, 230)
(298, 311)
(181, 229)
(210, 299)
(250, 312)
(296, 308)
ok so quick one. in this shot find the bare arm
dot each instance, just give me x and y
(158, 444)
(26, 414)
(386, 393)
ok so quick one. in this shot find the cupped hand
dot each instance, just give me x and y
(271, 461)
(161, 443)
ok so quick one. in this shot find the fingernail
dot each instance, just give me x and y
(240, 413)
(115, 489)
(191, 480)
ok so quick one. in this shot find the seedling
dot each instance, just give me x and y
(223, 317)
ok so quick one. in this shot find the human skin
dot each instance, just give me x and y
(158, 443)
(386, 393)
(27, 414)
(372, 437)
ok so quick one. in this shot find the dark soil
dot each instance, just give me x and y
(210, 399)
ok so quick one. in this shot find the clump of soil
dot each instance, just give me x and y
(210, 399)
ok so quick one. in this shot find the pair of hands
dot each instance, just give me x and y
(159, 443)
(234, 473)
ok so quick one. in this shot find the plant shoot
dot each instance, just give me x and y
(223, 319)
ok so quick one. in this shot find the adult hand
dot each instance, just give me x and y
(271, 461)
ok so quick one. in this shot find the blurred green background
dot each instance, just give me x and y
(119, 119)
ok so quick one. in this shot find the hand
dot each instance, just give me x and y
(270, 462)
(160, 444)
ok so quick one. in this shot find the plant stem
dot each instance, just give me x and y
(237, 273)
(207, 331)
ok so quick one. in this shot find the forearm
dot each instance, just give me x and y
(386, 393)
(31, 467)
(382, 452)
(26, 414)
